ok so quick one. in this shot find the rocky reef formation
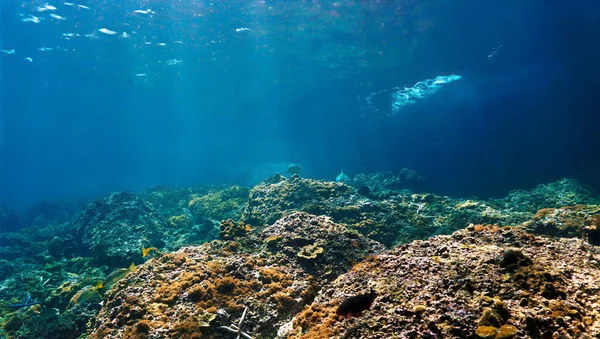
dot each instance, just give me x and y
(115, 228)
(385, 184)
(482, 282)
(383, 211)
(580, 221)
(272, 258)
(191, 293)
(564, 192)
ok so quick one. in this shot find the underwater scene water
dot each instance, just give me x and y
(299, 169)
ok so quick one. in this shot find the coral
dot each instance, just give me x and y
(231, 230)
(402, 216)
(219, 204)
(212, 284)
(580, 221)
(385, 184)
(564, 192)
(112, 229)
(490, 278)
(506, 332)
(180, 221)
(488, 281)
(270, 200)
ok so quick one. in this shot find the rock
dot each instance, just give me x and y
(468, 292)
(113, 230)
(581, 221)
(196, 290)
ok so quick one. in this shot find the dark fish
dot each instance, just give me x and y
(354, 306)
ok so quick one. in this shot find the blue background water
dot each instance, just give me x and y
(218, 105)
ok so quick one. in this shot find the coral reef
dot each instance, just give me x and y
(385, 184)
(399, 218)
(581, 221)
(272, 258)
(194, 214)
(484, 281)
(272, 198)
(113, 229)
(564, 192)
(193, 292)
(219, 204)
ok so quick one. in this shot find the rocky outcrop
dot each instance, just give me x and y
(113, 230)
(481, 282)
(196, 291)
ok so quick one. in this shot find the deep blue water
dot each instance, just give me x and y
(200, 92)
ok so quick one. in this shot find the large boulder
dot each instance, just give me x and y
(113, 230)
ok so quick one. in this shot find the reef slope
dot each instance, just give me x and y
(481, 282)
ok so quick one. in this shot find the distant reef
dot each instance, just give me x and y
(294, 257)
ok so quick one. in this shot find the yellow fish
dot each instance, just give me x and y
(117, 275)
(147, 250)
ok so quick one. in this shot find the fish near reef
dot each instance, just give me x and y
(86, 294)
(117, 275)
(354, 306)
(148, 250)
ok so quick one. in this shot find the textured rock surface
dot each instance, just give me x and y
(115, 228)
(581, 221)
(274, 197)
(398, 218)
(384, 184)
(480, 282)
(564, 192)
(192, 292)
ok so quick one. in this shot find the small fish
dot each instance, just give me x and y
(116, 276)
(147, 250)
(32, 18)
(85, 294)
(173, 62)
(57, 17)
(107, 31)
(82, 6)
(354, 306)
(46, 7)
(8, 51)
(29, 59)
(141, 11)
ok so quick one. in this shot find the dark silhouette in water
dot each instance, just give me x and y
(354, 306)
